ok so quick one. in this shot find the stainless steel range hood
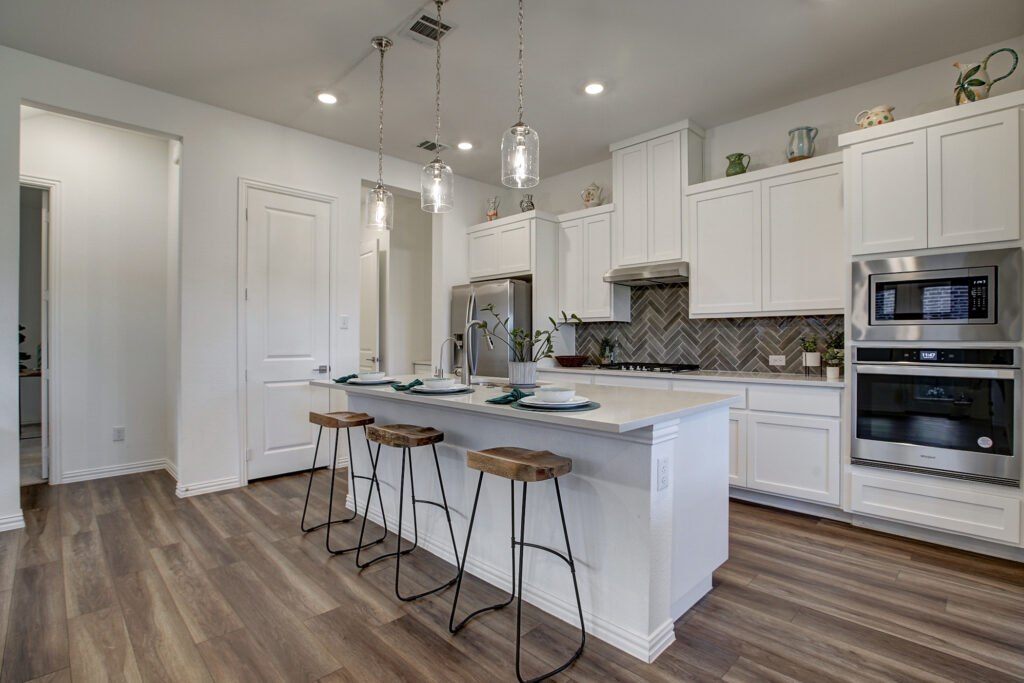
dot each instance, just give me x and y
(650, 274)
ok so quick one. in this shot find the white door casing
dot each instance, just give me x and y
(287, 313)
(369, 306)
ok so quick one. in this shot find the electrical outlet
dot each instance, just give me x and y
(119, 433)
(776, 360)
(342, 322)
(662, 474)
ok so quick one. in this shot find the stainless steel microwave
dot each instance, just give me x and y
(969, 296)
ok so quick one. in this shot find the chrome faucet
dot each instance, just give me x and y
(439, 371)
(467, 349)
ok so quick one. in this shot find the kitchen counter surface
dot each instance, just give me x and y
(719, 375)
(623, 409)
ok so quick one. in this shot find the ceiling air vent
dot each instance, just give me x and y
(425, 29)
(431, 147)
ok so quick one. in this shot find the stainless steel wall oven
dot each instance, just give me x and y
(948, 412)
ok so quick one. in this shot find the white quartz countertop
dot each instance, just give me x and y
(623, 409)
(713, 375)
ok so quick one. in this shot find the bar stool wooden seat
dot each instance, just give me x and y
(407, 437)
(526, 466)
(338, 421)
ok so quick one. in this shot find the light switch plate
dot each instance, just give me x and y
(342, 322)
(662, 474)
(119, 433)
(776, 360)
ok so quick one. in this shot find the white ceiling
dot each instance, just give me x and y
(713, 61)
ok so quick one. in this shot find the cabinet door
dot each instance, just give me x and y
(571, 267)
(804, 260)
(794, 456)
(483, 253)
(664, 199)
(514, 248)
(725, 252)
(888, 194)
(737, 448)
(974, 180)
(597, 245)
(629, 184)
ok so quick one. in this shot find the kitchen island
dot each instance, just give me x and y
(646, 502)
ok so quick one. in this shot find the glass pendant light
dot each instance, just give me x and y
(520, 146)
(380, 203)
(437, 182)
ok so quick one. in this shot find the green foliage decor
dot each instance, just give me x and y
(525, 347)
(809, 344)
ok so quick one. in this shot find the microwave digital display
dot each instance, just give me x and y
(933, 299)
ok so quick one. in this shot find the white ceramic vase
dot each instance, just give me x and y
(812, 359)
(832, 373)
(522, 374)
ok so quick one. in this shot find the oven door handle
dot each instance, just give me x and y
(938, 371)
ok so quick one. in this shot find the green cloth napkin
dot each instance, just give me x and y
(342, 380)
(510, 397)
(407, 387)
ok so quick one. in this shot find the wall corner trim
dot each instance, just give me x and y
(11, 522)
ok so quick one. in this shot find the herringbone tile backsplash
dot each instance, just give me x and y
(661, 331)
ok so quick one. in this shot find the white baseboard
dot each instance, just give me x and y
(206, 487)
(112, 470)
(644, 647)
(172, 468)
(803, 507)
(10, 522)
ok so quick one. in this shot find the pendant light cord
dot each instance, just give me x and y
(437, 95)
(380, 121)
(520, 62)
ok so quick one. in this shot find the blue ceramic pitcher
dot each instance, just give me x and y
(801, 143)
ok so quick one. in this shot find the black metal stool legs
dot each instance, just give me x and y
(407, 455)
(572, 568)
(355, 499)
(374, 484)
(452, 628)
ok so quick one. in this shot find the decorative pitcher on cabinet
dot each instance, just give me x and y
(801, 143)
(736, 163)
(974, 83)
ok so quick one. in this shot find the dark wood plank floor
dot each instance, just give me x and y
(117, 579)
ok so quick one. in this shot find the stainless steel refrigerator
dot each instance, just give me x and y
(511, 299)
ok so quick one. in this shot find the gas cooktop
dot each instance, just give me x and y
(671, 368)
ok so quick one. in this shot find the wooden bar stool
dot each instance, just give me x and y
(526, 466)
(338, 421)
(407, 437)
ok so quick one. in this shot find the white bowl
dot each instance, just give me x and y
(555, 394)
(371, 375)
(438, 382)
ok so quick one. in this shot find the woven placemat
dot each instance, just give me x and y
(593, 405)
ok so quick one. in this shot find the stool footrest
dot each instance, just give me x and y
(562, 557)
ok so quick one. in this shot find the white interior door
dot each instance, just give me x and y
(288, 328)
(369, 306)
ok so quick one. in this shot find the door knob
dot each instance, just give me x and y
(321, 369)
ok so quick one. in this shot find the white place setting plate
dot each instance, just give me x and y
(382, 380)
(535, 402)
(442, 390)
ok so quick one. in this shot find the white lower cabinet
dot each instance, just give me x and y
(737, 448)
(959, 507)
(795, 456)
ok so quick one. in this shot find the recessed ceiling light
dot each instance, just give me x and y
(465, 146)
(327, 98)
(594, 88)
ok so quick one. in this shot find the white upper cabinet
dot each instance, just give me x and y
(505, 247)
(725, 266)
(584, 256)
(769, 242)
(945, 179)
(802, 250)
(649, 176)
(974, 180)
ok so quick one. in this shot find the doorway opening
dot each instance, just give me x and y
(32, 332)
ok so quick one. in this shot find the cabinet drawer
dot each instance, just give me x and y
(800, 400)
(555, 377)
(940, 507)
(707, 387)
(628, 381)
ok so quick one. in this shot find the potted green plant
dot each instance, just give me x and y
(526, 348)
(811, 357)
(606, 350)
(835, 356)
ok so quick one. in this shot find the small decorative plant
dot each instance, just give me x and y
(835, 355)
(811, 357)
(526, 348)
(810, 344)
(834, 358)
(606, 349)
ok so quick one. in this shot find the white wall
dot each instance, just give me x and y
(172, 312)
(110, 340)
(561, 193)
(218, 148)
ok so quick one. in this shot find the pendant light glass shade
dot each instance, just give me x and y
(437, 182)
(380, 203)
(520, 145)
(520, 157)
(380, 209)
(437, 187)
